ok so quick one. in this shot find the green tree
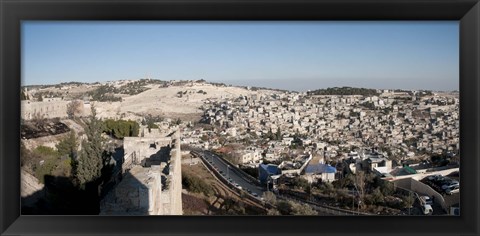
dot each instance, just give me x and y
(121, 128)
(301, 183)
(270, 198)
(68, 146)
(178, 121)
(278, 134)
(74, 109)
(302, 209)
(195, 184)
(273, 212)
(90, 159)
(23, 95)
(284, 207)
(408, 201)
(48, 161)
(377, 196)
(39, 97)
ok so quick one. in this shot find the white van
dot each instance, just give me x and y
(427, 209)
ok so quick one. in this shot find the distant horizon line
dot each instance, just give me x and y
(230, 84)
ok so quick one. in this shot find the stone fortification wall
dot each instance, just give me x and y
(50, 109)
(46, 109)
(137, 149)
(152, 183)
(30, 189)
(139, 193)
(175, 175)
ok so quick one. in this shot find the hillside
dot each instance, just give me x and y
(132, 99)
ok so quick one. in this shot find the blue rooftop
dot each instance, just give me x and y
(270, 168)
(320, 168)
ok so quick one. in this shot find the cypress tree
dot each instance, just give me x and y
(90, 161)
(68, 146)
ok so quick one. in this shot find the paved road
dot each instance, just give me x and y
(245, 183)
(229, 173)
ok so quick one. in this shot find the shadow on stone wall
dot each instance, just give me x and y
(129, 197)
(163, 155)
(61, 197)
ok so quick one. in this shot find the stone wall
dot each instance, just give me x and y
(422, 189)
(50, 109)
(47, 109)
(152, 183)
(30, 190)
(176, 177)
(422, 174)
(137, 149)
(139, 193)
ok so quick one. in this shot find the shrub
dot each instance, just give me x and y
(284, 207)
(302, 209)
(195, 184)
(68, 146)
(301, 183)
(49, 159)
(121, 128)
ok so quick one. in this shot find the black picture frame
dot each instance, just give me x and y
(13, 12)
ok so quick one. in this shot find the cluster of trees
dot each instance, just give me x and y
(150, 121)
(369, 105)
(196, 184)
(74, 109)
(83, 165)
(273, 136)
(72, 176)
(121, 128)
(181, 93)
(134, 88)
(43, 161)
(104, 93)
(250, 171)
(300, 183)
(369, 190)
(345, 91)
(286, 207)
(93, 156)
(71, 83)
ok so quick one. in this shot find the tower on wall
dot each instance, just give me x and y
(152, 181)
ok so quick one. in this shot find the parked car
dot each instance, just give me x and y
(255, 194)
(450, 191)
(452, 184)
(433, 177)
(427, 209)
(425, 200)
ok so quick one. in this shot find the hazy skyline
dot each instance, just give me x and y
(286, 55)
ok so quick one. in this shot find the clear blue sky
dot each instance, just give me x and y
(296, 55)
